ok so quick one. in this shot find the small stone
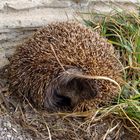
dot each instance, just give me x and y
(9, 124)
(9, 136)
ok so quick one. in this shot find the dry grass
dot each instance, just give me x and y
(108, 122)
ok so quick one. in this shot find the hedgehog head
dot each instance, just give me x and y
(68, 89)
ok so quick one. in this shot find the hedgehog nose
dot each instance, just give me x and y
(57, 101)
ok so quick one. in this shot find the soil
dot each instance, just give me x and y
(9, 130)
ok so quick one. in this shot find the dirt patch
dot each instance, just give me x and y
(9, 130)
(59, 128)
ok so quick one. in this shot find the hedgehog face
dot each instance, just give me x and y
(66, 91)
(77, 90)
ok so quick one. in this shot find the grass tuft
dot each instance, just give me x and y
(122, 29)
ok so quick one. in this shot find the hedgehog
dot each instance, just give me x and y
(54, 67)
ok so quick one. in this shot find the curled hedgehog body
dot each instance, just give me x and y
(52, 67)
